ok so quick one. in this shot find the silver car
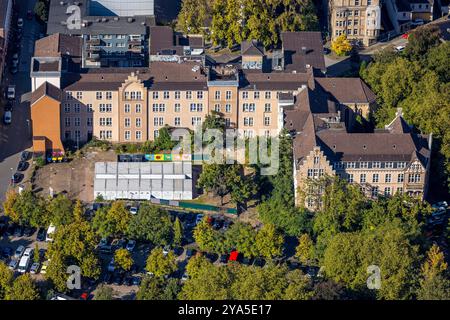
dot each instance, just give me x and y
(19, 252)
(13, 264)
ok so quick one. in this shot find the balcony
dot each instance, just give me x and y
(94, 42)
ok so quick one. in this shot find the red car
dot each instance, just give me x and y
(405, 35)
(233, 256)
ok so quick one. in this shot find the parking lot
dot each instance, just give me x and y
(125, 284)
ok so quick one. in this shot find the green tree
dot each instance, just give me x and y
(193, 16)
(123, 259)
(206, 282)
(254, 283)
(269, 242)
(387, 246)
(434, 283)
(207, 238)
(421, 40)
(341, 46)
(242, 237)
(151, 288)
(305, 249)
(164, 141)
(177, 233)
(299, 286)
(159, 264)
(23, 288)
(6, 279)
(104, 292)
(61, 210)
(113, 220)
(151, 224)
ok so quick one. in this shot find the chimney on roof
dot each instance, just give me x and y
(304, 51)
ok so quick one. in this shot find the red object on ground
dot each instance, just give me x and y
(234, 255)
(84, 296)
(405, 35)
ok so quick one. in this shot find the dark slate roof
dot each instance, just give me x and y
(255, 80)
(163, 38)
(343, 146)
(347, 90)
(403, 5)
(301, 49)
(252, 48)
(46, 89)
(160, 76)
(57, 45)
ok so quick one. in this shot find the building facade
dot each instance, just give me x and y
(359, 20)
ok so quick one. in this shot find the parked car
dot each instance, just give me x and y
(49, 235)
(417, 22)
(7, 117)
(17, 178)
(45, 266)
(42, 253)
(117, 278)
(190, 252)
(20, 23)
(134, 210)
(41, 235)
(184, 277)
(25, 156)
(30, 15)
(217, 224)
(8, 106)
(13, 264)
(28, 232)
(7, 252)
(22, 166)
(199, 219)
(223, 258)
(25, 261)
(112, 265)
(18, 232)
(35, 268)
(226, 225)
(131, 245)
(399, 48)
(118, 244)
(136, 281)
(128, 280)
(166, 250)
(440, 205)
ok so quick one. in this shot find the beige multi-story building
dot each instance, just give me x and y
(385, 162)
(359, 20)
(130, 105)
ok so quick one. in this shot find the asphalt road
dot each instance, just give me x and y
(16, 137)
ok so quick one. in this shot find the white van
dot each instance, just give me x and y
(25, 260)
(50, 231)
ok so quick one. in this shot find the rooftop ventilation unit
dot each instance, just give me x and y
(130, 20)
